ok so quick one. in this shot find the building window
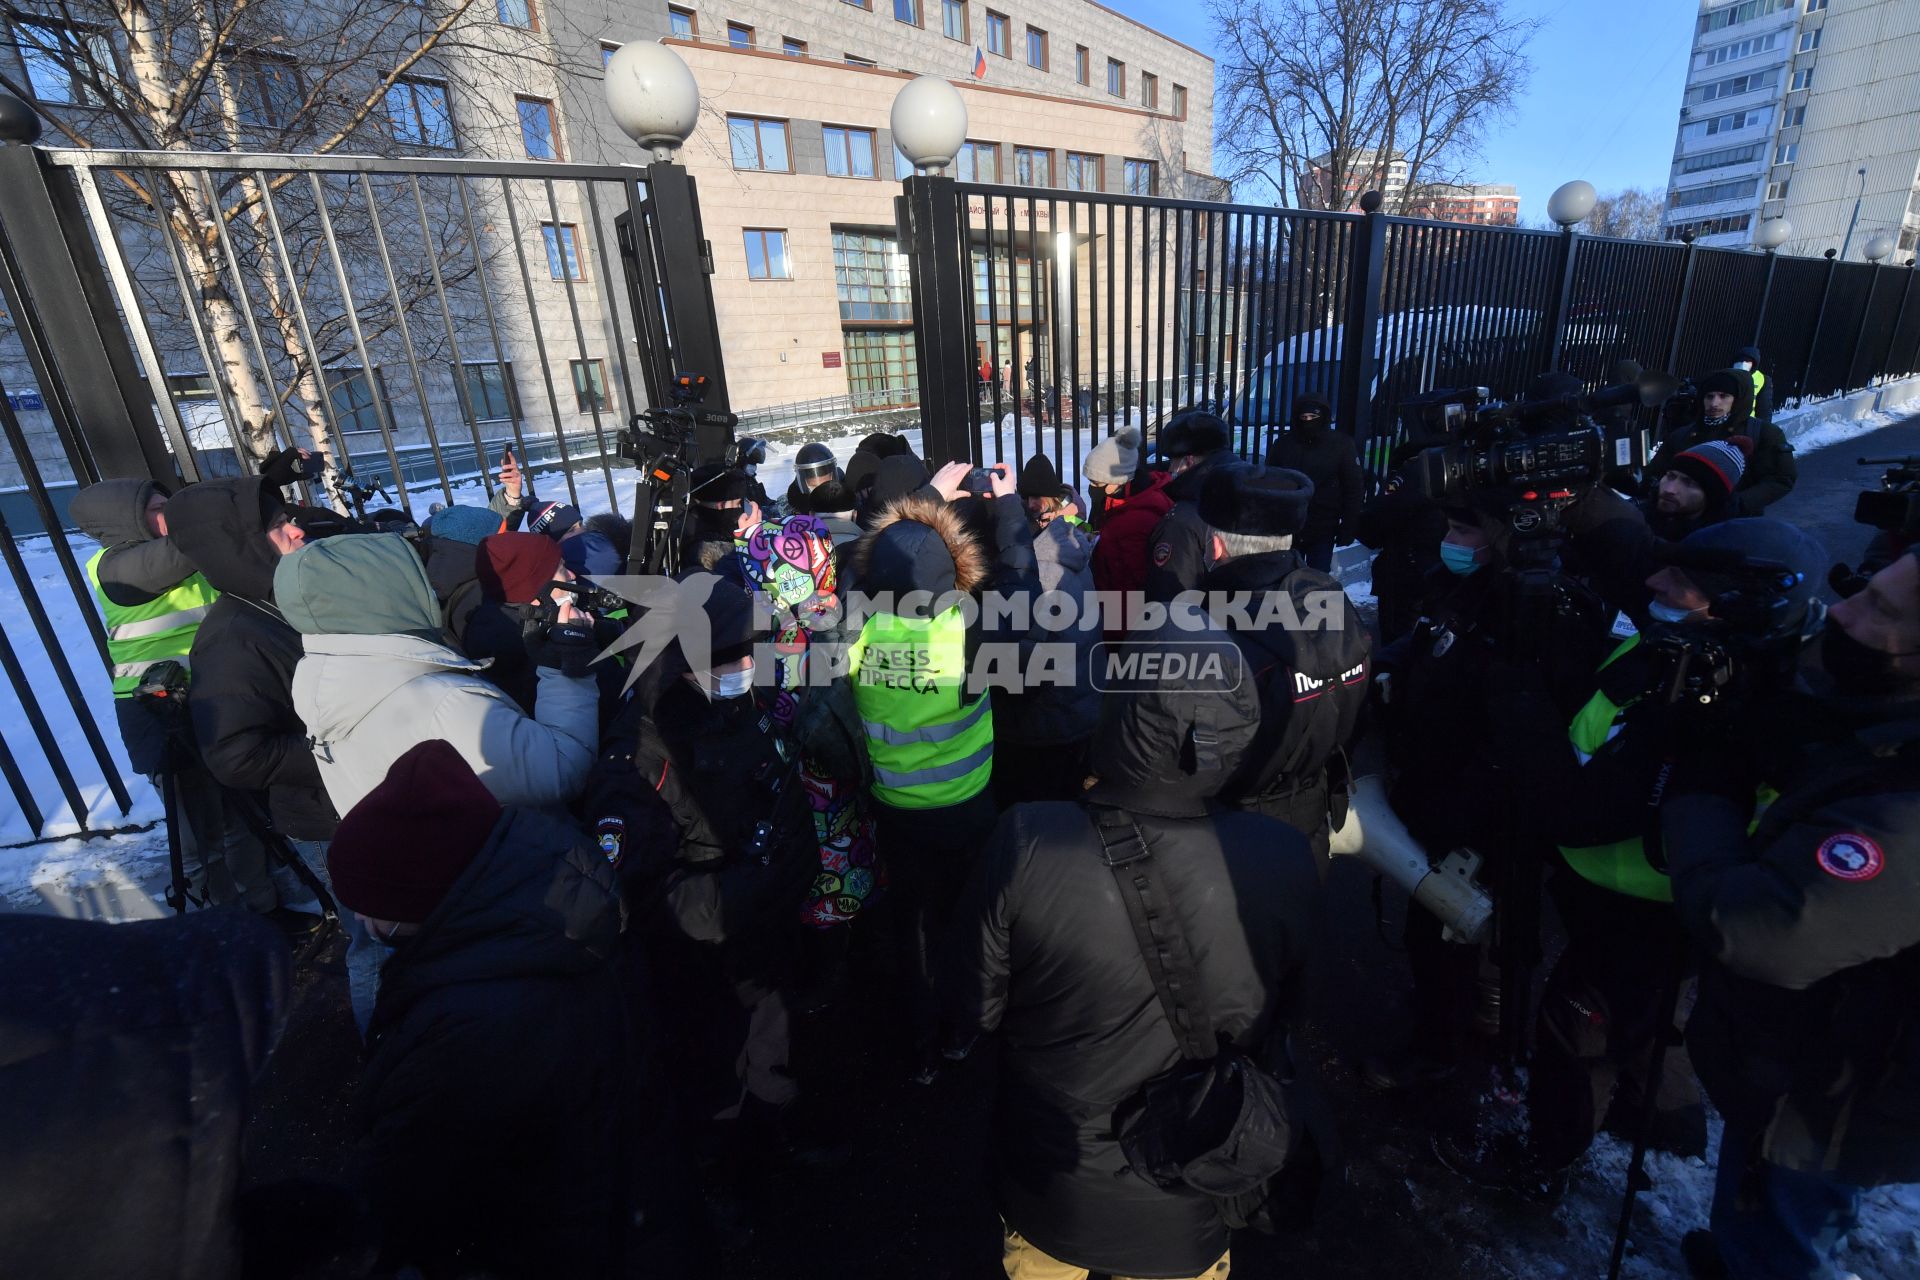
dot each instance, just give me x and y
(855, 60)
(881, 367)
(1786, 152)
(1010, 287)
(352, 398)
(1116, 77)
(903, 168)
(420, 114)
(490, 392)
(860, 4)
(1142, 178)
(793, 48)
(607, 51)
(1720, 159)
(758, 144)
(870, 277)
(740, 35)
(1802, 79)
(1709, 226)
(1815, 6)
(1777, 190)
(61, 61)
(1740, 49)
(1795, 117)
(270, 93)
(590, 386)
(1179, 102)
(1734, 14)
(1149, 91)
(517, 13)
(980, 162)
(1082, 64)
(953, 19)
(1036, 48)
(537, 131)
(999, 34)
(1084, 172)
(1810, 40)
(563, 251)
(1725, 124)
(767, 255)
(907, 11)
(849, 151)
(1033, 166)
(684, 23)
(1714, 193)
(1733, 86)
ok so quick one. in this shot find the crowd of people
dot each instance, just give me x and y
(585, 897)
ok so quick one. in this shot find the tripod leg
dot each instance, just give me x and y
(177, 894)
(1637, 1180)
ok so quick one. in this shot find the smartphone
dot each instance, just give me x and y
(980, 482)
(506, 456)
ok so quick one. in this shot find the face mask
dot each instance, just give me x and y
(1661, 611)
(1855, 668)
(734, 684)
(1459, 559)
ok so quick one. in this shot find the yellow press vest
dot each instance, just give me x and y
(1759, 384)
(139, 635)
(931, 746)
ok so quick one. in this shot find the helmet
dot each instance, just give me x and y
(814, 461)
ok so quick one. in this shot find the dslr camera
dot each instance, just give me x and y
(1525, 460)
(1752, 645)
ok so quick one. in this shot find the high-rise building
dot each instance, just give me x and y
(1802, 109)
(1488, 204)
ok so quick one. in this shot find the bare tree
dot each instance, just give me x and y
(1629, 214)
(334, 76)
(1319, 100)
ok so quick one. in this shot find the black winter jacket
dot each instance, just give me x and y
(1405, 528)
(1181, 551)
(498, 1102)
(1326, 457)
(1808, 1020)
(243, 659)
(126, 1066)
(1042, 952)
(1771, 471)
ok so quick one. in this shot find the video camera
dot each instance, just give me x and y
(660, 439)
(1893, 509)
(1529, 460)
(1703, 664)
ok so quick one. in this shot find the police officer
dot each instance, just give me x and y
(1747, 360)
(1806, 1032)
(813, 466)
(1193, 443)
(1304, 643)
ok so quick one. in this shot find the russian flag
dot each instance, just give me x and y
(979, 63)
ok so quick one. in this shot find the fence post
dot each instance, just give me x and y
(63, 308)
(1860, 331)
(1358, 357)
(929, 229)
(1819, 323)
(1766, 296)
(686, 270)
(1563, 298)
(1680, 307)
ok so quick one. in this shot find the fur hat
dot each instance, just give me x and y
(885, 444)
(1267, 502)
(897, 477)
(399, 850)
(1115, 459)
(917, 544)
(1193, 431)
(1038, 478)
(1716, 466)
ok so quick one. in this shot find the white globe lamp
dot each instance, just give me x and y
(1571, 201)
(929, 122)
(653, 96)
(1772, 233)
(1878, 247)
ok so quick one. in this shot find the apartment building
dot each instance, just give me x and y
(1802, 109)
(1486, 204)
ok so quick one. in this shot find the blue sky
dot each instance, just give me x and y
(1601, 104)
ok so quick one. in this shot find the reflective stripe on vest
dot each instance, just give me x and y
(140, 635)
(931, 746)
(1621, 866)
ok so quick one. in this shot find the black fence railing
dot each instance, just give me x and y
(1049, 319)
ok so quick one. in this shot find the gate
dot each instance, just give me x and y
(1047, 319)
(176, 315)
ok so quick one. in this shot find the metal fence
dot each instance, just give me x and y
(1047, 319)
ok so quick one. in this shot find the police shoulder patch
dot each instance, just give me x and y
(1850, 857)
(1162, 552)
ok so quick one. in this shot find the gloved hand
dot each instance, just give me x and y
(284, 466)
(566, 647)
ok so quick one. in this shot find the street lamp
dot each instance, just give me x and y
(654, 97)
(1878, 247)
(1571, 202)
(1772, 233)
(1854, 220)
(929, 122)
(18, 122)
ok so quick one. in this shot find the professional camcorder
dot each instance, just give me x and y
(1893, 509)
(1528, 460)
(661, 439)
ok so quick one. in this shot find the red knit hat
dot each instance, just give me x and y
(398, 851)
(516, 567)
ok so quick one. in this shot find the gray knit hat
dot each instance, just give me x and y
(1115, 459)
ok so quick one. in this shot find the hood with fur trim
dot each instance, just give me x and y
(917, 544)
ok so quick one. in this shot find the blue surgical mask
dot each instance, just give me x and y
(1459, 559)
(1661, 611)
(734, 684)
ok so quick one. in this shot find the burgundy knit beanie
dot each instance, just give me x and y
(516, 567)
(398, 851)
